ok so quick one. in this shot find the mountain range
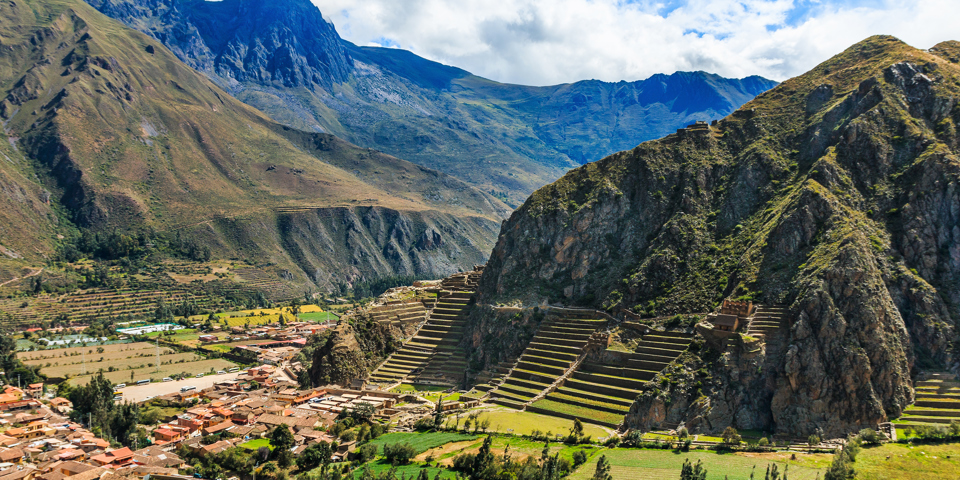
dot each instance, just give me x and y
(283, 58)
(106, 130)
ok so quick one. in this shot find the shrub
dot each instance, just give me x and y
(813, 440)
(731, 436)
(870, 436)
(682, 433)
(763, 442)
(579, 458)
(366, 453)
(399, 453)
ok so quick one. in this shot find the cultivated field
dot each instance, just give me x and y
(130, 349)
(644, 464)
(524, 423)
(130, 362)
(190, 368)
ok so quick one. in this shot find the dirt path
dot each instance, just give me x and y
(31, 274)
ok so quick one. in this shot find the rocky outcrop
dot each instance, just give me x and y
(351, 350)
(834, 193)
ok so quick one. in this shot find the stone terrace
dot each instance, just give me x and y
(937, 402)
(431, 355)
(602, 393)
(556, 346)
(400, 314)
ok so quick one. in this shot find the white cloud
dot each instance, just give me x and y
(541, 42)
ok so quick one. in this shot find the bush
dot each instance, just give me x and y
(731, 436)
(399, 453)
(813, 440)
(682, 433)
(763, 442)
(870, 436)
(366, 453)
(612, 442)
(579, 458)
(424, 424)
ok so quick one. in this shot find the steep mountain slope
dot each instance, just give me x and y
(124, 135)
(284, 59)
(834, 193)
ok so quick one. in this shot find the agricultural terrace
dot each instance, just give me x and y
(120, 363)
(251, 317)
(630, 464)
(515, 422)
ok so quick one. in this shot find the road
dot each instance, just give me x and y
(134, 393)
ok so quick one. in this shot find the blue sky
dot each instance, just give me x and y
(541, 42)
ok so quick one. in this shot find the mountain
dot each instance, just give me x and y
(106, 130)
(283, 58)
(834, 194)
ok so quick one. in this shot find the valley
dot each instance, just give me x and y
(234, 245)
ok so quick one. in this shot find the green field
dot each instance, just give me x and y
(256, 444)
(630, 464)
(421, 442)
(405, 471)
(583, 413)
(317, 317)
(524, 423)
(916, 462)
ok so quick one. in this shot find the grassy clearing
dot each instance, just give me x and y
(317, 317)
(421, 442)
(628, 464)
(578, 411)
(916, 462)
(256, 444)
(524, 423)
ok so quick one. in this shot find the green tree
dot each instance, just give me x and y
(731, 436)
(602, 471)
(693, 472)
(282, 439)
(577, 430)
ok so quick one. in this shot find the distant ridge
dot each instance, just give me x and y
(283, 58)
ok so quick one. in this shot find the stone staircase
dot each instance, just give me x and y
(552, 351)
(602, 393)
(462, 282)
(767, 321)
(937, 402)
(432, 355)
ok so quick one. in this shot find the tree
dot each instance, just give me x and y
(579, 458)
(577, 430)
(693, 472)
(731, 436)
(602, 471)
(366, 453)
(813, 440)
(399, 453)
(282, 439)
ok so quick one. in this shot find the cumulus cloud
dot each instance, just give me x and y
(542, 42)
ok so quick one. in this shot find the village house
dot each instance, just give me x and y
(121, 457)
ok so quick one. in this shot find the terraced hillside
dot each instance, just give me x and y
(602, 393)
(554, 349)
(767, 321)
(937, 402)
(432, 355)
(85, 305)
(400, 314)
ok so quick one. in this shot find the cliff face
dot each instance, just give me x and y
(834, 193)
(351, 350)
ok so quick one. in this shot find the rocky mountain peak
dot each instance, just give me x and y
(286, 43)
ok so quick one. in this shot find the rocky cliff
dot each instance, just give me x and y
(283, 58)
(834, 193)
